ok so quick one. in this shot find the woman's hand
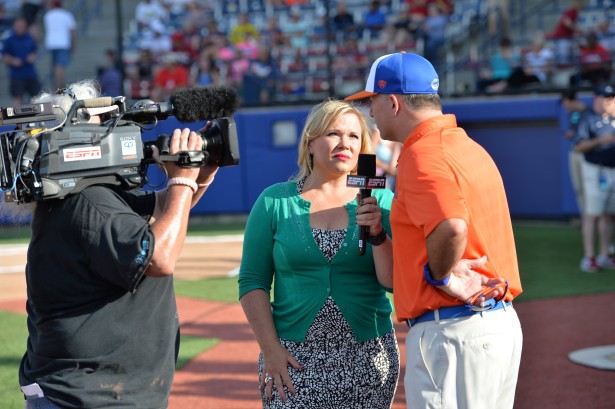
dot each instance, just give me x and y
(369, 214)
(275, 370)
(256, 305)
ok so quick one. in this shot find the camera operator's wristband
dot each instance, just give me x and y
(431, 281)
(184, 182)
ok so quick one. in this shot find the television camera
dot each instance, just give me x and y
(51, 153)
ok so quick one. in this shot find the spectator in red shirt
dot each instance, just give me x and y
(418, 8)
(565, 32)
(180, 44)
(594, 63)
(171, 76)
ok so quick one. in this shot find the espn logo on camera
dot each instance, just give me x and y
(77, 154)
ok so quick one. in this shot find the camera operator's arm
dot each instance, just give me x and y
(170, 220)
(206, 177)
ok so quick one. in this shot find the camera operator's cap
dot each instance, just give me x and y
(399, 73)
(607, 91)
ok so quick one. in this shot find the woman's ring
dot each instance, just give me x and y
(268, 378)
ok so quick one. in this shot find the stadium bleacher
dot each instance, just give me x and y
(467, 47)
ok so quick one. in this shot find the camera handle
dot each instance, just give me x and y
(184, 159)
(187, 159)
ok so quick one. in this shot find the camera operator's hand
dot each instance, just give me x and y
(170, 220)
(181, 141)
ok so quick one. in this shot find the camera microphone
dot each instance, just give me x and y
(197, 104)
(188, 105)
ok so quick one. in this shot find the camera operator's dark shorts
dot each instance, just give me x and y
(18, 87)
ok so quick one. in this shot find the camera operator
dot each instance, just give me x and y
(102, 319)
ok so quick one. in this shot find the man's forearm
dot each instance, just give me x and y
(445, 246)
(170, 231)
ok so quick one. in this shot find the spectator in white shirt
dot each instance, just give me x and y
(60, 39)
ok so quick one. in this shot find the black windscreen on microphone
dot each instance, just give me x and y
(197, 104)
(366, 167)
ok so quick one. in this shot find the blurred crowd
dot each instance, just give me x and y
(176, 43)
(281, 51)
(284, 55)
(572, 54)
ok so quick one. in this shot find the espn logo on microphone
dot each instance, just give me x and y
(76, 154)
(366, 182)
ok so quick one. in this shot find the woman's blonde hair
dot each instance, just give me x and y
(319, 120)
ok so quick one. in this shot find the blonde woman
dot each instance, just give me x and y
(326, 336)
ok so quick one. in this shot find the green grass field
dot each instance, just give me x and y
(548, 260)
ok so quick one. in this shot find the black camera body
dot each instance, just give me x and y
(46, 158)
(71, 160)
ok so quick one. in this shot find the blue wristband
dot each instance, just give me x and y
(431, 281)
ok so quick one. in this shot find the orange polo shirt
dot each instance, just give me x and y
(443, 174)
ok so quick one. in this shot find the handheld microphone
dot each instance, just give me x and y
(367, 167)
(366, 180)
(188, 105)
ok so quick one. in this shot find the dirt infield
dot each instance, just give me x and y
(225, 376)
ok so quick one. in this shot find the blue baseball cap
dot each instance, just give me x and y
(399, 73)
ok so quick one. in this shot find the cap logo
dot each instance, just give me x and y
(382, 84)
(435, 84)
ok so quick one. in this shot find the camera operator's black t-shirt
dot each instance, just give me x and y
(101, 333)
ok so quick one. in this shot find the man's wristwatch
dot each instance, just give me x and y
(378, 239)
(430, 280)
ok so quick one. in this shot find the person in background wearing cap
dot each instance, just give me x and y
(102, 320)
(455, 263)
(595, 139)
(327, 337)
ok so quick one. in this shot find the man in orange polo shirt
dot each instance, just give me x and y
(455, 263)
